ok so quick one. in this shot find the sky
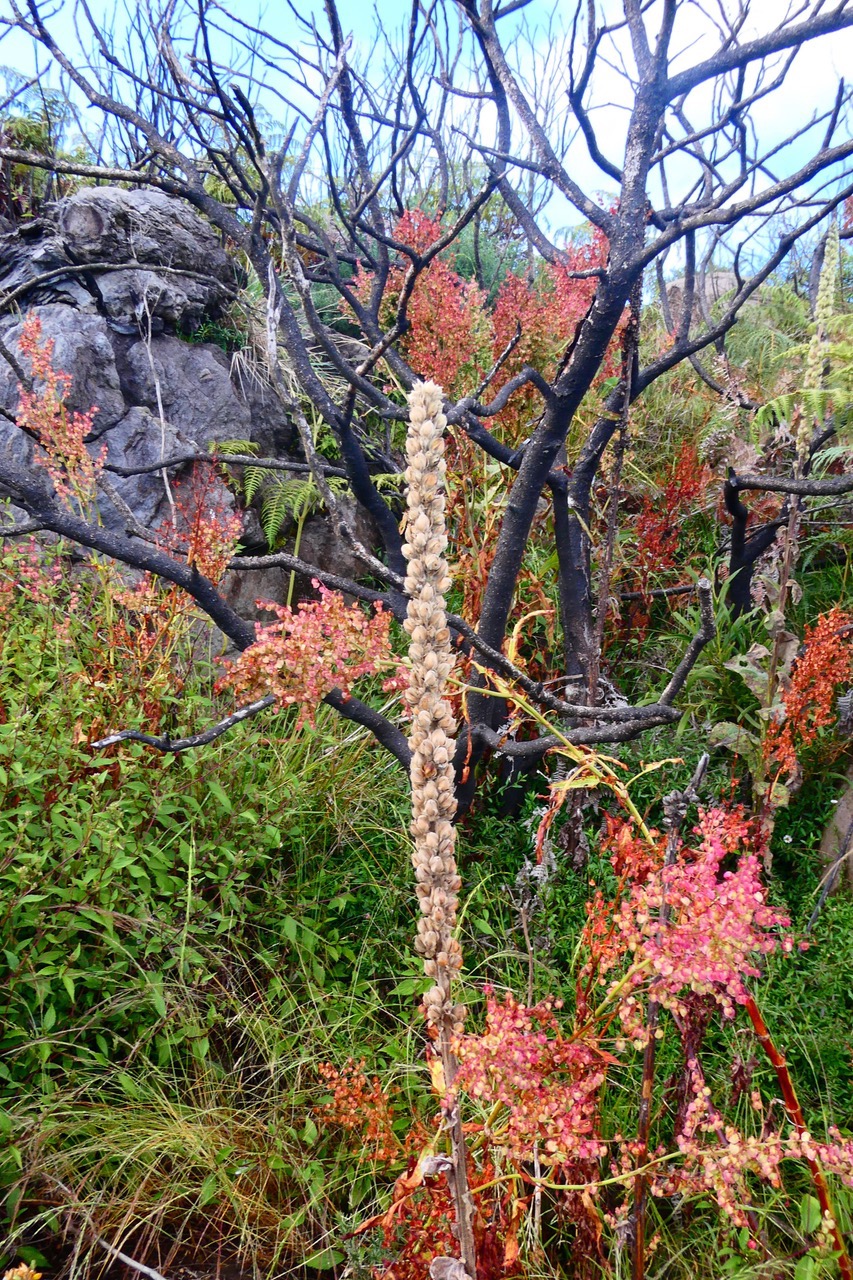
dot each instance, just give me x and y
(809, 89)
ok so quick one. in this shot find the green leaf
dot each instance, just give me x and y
(733, 737)
(128, 1085)
(751, 667)
(31, 1256)
(200, 1048)
(209, 1190)
(806, 1268)
(810, 1215)
(217, 790)
(411, 987)
(325, 1259)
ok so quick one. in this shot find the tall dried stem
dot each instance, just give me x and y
(432, 774)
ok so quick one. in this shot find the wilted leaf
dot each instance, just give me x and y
(750, 667)
(448, 1269)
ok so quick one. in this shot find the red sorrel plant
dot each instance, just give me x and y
(454, 338)
(541, 314)
(682, 937)
(448, 334)
(807, 705)
(359, 1105)
(61, 435)
(321, 645)
(142, 624)
(655, 553)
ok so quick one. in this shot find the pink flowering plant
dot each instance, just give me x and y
(690, 927)
(320, 645)
(61, 434)
(546, 1084)
(682, 940)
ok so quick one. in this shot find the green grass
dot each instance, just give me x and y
(186, 939)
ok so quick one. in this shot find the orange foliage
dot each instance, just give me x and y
(809, 700)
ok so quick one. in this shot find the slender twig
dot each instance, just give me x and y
(795, 1113)
(167, 744)
(99, 1240)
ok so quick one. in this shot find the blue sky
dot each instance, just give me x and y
(811, 86)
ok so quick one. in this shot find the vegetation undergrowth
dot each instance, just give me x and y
(210, 1049)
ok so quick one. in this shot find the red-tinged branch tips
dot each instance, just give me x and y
(717, 923)
(808, 705)
(321, 645)
(61, 435)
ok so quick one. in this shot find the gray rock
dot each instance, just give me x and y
(318, 545)
(244, 589)
(184, 272)
(136, 441)
(24, 257)
(194, 385)
(717, 285)
(190, 274)
(160, 397)
(83, 349)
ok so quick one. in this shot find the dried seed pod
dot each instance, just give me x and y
(431, 738)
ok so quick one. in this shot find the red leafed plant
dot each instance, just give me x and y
(448, 335)
(684, 934)
(658, 527)
(545, 311)
(690, 926)
(808, 702)
(360, 1105)
(43, 412)
(547, 1084)
(321, 645)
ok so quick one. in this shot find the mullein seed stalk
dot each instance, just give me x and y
(432, 774)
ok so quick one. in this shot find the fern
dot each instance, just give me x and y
(814, 402)
(388, 480)
(283, 500)
(295, 498)
(253, 478)
(285, 497)
(234, 446)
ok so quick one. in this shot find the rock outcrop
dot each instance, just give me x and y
(115, 276)
(136, 257)
(717, 285)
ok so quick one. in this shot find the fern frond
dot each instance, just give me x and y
(814, 402)
(234, 446)
(253, 478)
(276, 509)
(388, 480)
(292, 499)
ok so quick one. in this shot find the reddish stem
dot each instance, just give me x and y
(795, 1112)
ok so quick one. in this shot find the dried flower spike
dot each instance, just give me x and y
(431, 740)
